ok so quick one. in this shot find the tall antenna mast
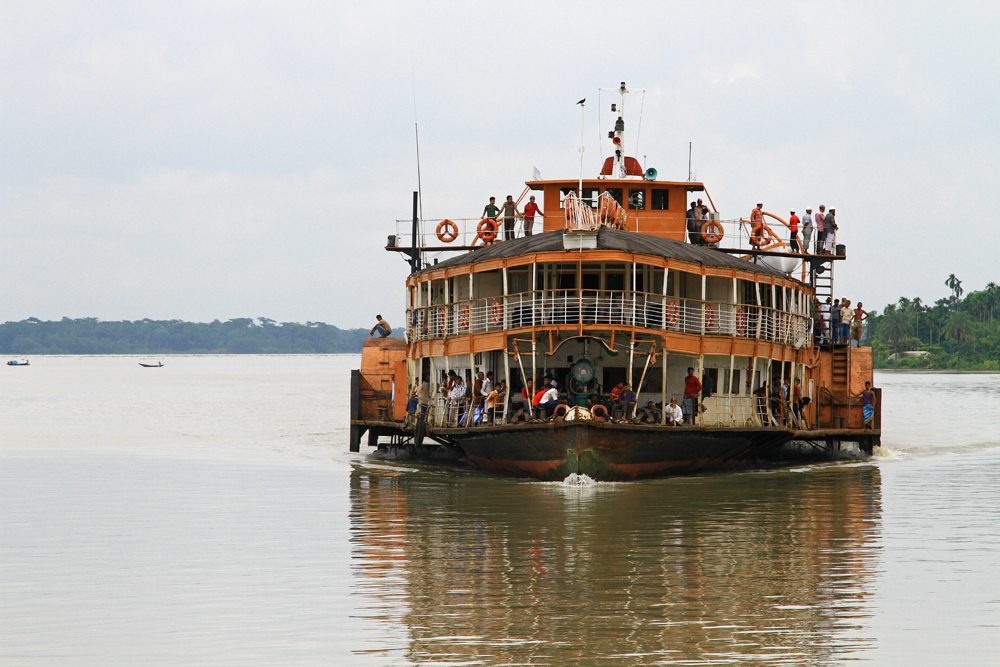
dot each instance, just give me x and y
(582, 148)
(689, 160)
(618, 134)
(416, 134)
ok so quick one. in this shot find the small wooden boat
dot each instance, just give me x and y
(14, 362)
(158, 364)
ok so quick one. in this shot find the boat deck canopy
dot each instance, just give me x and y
(610, 239)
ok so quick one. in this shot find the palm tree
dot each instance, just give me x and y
(895, 326)
(955, 285)
(959, 327)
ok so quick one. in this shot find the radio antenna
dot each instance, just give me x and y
(689, 160)
(416, 134)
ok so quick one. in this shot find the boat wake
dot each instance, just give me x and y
(575, 480)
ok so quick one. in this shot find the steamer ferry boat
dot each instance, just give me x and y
(612, 289)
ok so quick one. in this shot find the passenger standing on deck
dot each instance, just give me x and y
(530, 209)
(757, 224)
(820, 216)
(491, 211)
(694, 224)
(692, 385)
(868, 402)
(488, 383)
(477, 390)
(793, 229)
(824, 313)
(807, 230)
(835, 318)
(510, 214)
(830, 224)
(382, 327)
(857, 325)
(846, 315)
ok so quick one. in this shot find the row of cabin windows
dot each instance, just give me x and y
(658, 198)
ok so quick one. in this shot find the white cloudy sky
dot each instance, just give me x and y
(202, 160)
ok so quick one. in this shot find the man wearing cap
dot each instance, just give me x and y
(757, 223)
(793, 229)
(830, 223)
(807, 229)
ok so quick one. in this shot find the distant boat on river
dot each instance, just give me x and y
(158, 364)
(14, 362)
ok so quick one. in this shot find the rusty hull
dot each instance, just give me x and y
(612, 452)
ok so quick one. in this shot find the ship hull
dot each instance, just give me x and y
(612, 452)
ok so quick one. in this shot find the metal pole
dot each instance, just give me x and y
(414, 246)
(582, 149)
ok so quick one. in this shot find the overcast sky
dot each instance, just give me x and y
(202, 160)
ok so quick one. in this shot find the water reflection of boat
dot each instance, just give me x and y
(735, 569)
(617, 287)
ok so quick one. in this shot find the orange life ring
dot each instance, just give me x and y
(487, 230)
(757, 241)
(709, 317)
(463, 317)
(496, 313)
(447, 231)
(599, 412)
(443, 320)
(741, 320)
(712, 236)
(673, 313)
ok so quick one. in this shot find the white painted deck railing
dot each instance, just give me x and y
(650, 311)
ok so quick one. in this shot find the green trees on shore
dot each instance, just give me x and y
(956, 333)
(238, 336)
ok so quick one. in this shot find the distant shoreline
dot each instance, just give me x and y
(93, 337)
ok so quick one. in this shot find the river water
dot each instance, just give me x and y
(208, 512)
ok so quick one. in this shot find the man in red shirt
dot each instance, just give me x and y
(692, 385)
(530, 209)
(793, 227)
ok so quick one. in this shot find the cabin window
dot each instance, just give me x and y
(657, 281)
(567, 280)
(590, 196)
(590, 281)
(614, 282)
(518, 282)
(639, 282)
(637, 198)
(659, 199)
(616, 193)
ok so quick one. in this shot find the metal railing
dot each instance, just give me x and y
(735, 233)
(593, 307)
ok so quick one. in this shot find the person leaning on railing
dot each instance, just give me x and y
(530, 209)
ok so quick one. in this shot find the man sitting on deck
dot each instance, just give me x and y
(548, 401)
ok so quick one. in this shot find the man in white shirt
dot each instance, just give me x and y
(488, 384)
(550, 399)
(824, 312)
(674, 413)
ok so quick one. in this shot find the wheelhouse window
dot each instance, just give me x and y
(590, 196)
(637, 198)
(659, 199)
(616, 193)
(563, 193)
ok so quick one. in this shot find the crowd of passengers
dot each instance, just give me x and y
(482, 402)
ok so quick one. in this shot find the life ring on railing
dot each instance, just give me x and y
(447, 231)
(463, 317)
(673, 313)
(560, 411)
(599, 412)
(741, 320)
(761, 235)
(496, 313)
(443, 320)
(487, 230)
(713, 236)
(709, 317)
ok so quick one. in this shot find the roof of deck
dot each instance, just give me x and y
(610, 239)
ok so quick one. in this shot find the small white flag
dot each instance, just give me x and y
(536, 175)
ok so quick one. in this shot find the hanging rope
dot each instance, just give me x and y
(642, 103)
